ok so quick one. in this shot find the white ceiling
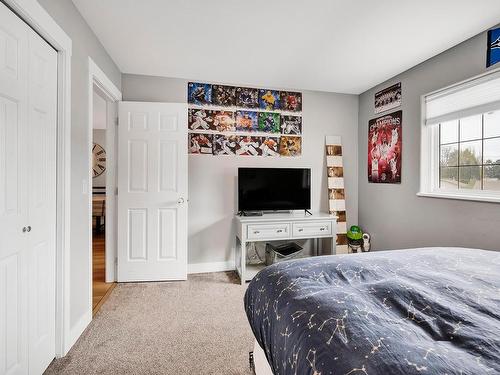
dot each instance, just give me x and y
(344, 46)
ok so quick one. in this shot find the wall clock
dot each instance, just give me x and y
(98, 160)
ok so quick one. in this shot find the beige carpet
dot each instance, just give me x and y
(194, 327)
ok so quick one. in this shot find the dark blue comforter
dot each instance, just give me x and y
(418, 311)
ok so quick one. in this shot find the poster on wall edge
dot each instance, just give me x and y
(385, 148)
(388, 98)
(493, 55)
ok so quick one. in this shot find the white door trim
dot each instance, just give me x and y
(98, 78)
(38, 19)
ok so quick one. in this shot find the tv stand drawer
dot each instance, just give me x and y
(268, 231)
(312, 229)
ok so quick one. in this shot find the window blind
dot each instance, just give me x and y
(468, 98)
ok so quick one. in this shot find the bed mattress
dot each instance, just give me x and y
(416, 311)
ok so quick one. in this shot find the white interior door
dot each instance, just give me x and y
(28, 98)
(152, 191)
(13, 194)
(41, 154)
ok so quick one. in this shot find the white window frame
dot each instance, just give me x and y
(430, 158)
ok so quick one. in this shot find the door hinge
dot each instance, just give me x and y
(117, 121)
(116, 261)
(116, 191)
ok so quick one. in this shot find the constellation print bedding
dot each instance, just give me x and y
(418, 311)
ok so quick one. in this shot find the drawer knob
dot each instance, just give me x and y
(279, 230)
(256, 232)
(301, 230)
(321, 228)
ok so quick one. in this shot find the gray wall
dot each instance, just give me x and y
(212, 188)
(85, 44)
(393, 214)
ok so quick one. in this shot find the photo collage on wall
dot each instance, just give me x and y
(243, 121)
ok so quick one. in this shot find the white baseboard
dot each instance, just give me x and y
(77, 330)
(211, 267)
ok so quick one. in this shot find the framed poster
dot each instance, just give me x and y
(291, 125)
(269, 122)
(200, 119)
(290, 146)
(224, 96)
(247, 97)
(199, 93)
(249, 145)
(269, 100)
(269, 146)
(200, 143)
(225, 144)
(384, 148)
(388, 98)
(291, 101)
(246, 121)
(493, 47)
(224, 121)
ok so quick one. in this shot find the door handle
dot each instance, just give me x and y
(25, 229)
(180, 200)
(29, 228)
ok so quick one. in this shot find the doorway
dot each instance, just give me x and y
(101, 175)
(102, 127)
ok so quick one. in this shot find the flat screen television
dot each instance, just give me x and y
(274, 189)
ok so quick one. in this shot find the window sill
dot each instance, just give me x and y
(460, 196)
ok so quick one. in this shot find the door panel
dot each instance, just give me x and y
(168, 166)
(13, 193)
(138, 236)
(41, 155)
(168, 233)
(152, 192)
(138, 166)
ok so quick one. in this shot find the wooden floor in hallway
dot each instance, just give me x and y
(100, 288)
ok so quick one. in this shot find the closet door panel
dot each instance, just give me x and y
(13, 193)
(41, 202)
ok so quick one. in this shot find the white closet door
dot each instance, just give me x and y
(28, 98)
(42, 107)
(13, 194)
(152, 191)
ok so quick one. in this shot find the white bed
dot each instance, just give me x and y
(261, 367)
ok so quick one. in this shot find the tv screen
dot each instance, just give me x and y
(273, 189)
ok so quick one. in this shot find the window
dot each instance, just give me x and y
(469, 150)
(460, 154)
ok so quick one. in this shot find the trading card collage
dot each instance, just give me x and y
(258, 122)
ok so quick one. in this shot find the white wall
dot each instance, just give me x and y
(85, 44)
(212, 180)
(99, 109)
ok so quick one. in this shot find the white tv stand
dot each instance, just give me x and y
(279, 226)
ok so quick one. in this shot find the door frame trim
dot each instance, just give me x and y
(98, 78)
(31, 12)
